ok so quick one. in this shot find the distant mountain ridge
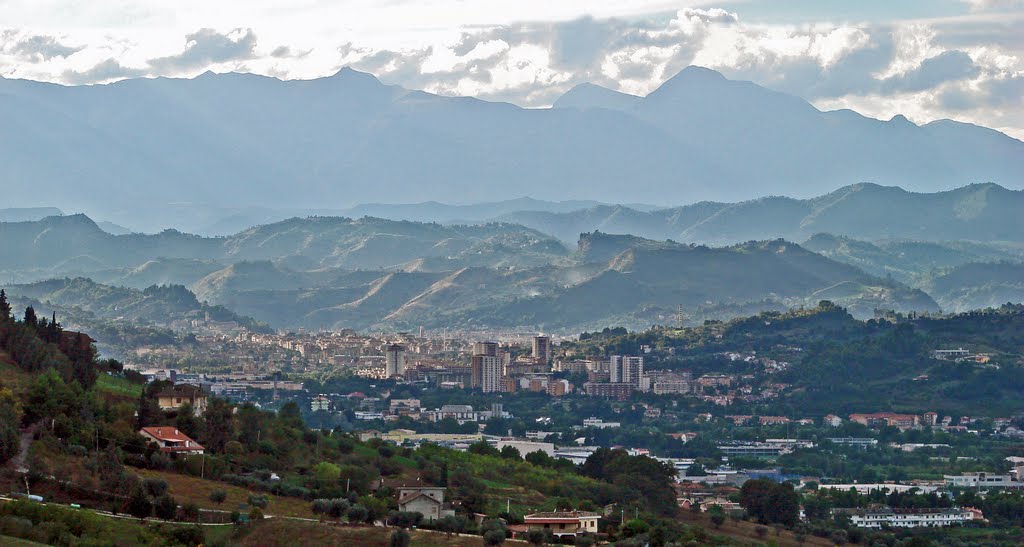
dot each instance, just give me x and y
(978, 212)
(138, 152)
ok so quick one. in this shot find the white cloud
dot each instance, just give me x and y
(528, 52)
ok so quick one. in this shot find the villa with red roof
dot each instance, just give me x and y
(171, 440)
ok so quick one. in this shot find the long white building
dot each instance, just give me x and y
(913, 518)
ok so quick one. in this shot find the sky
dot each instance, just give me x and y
(925, 59)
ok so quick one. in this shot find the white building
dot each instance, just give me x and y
(526, 447)
(912, 518)
(982, 480)
(626, 369)
(599, 423)
(320, 402)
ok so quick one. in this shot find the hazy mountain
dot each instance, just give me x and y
(145, 152)
(910, 261)
(978, 285)
(111, 228)
(588, 95)
(74, 244)
(154, 305)
(23, 214)
(980, 212)
(642, 283)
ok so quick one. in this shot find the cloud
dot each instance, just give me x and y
(35, 47)
(984, 5)
(207, 46)
(947, 66)
(286, 52)
(105, 71)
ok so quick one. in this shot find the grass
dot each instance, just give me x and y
(745, 532)
(18, 542)
(118, 386)
(186, 488)
(274, 532)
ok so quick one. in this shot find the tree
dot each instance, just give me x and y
(718, 519)
(405, 519)
(357, 513)
(326, 473)
(493, 532)
(166, 507)
(220, 426)
(139, 505)
(218, 496)
(510, 452)
(449, 525)
(536, 536)
(483, 448)
(155, 487)
(5, 307)
(257, 500)
(784, 505)
(399, 538)
(634, 527)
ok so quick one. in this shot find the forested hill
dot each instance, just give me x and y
(839, 364)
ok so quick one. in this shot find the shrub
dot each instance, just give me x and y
(218, 496)
(258, 501)
(155, 487)
(190, 512)
(761, 531)
(399, 538)
(255, 514)
(139, 505)
(357, 513)
(166, 507)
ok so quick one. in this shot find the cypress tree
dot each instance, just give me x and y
(5, 307)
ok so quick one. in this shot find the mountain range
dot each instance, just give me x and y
(148, 153)
(978, 212)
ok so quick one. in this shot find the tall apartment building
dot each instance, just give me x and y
(486, 348)
(394, 360)
(487, 373)
(626, 369)
(542, 348)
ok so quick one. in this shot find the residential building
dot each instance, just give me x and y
(608, 390)
(599, 423)
(320, 402)
(173, 397)
(425, 500)
(881, 419)
(487, 373)
(626, 369)
(563, 523)
(486, 348)
(171, 440)
(394, 360)
(912, 518)
(542, 348)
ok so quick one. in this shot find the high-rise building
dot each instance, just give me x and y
(485, 348)
(394, 360)
(487, 373)
(626, 369)
(542, 348)
(615, 369)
